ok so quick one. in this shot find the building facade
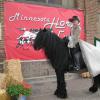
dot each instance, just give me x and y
(91, 10)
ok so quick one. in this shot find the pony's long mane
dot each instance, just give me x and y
(55, 49)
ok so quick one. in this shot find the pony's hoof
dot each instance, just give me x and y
(60, 94)
(55, 93)
(93, 89)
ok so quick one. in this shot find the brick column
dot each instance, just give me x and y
(91, 8)
(2, 51)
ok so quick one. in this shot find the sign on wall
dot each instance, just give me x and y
(23, 20)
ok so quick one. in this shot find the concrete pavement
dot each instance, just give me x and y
(76, 86)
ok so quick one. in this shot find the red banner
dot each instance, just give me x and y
(21, 19)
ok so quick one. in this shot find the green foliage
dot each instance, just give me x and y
(16, 90)
(26, 91)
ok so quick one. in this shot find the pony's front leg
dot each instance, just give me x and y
(61, 91)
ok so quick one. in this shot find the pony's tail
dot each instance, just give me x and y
(96, 80)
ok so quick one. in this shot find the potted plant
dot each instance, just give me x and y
(26, 91)
(21, 90)
(14, 91)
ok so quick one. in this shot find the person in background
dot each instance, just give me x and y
(73, 43)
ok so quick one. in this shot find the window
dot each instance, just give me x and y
(68, 3)
(98, 23)
(44, 1)
(60, 3)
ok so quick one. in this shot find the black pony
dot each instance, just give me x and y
(57, 52)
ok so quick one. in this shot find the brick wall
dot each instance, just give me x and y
(92, 8)
(2, 53)
(98, 12)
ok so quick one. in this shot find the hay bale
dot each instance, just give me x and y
(13, 69)
(9, 80)
(4, 95)
(86, 75)
(2, 78)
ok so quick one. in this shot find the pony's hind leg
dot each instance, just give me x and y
(96, 84)
(61, 91)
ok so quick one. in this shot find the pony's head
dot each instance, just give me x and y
(40, 39)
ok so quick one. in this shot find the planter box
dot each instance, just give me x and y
(22, 97)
